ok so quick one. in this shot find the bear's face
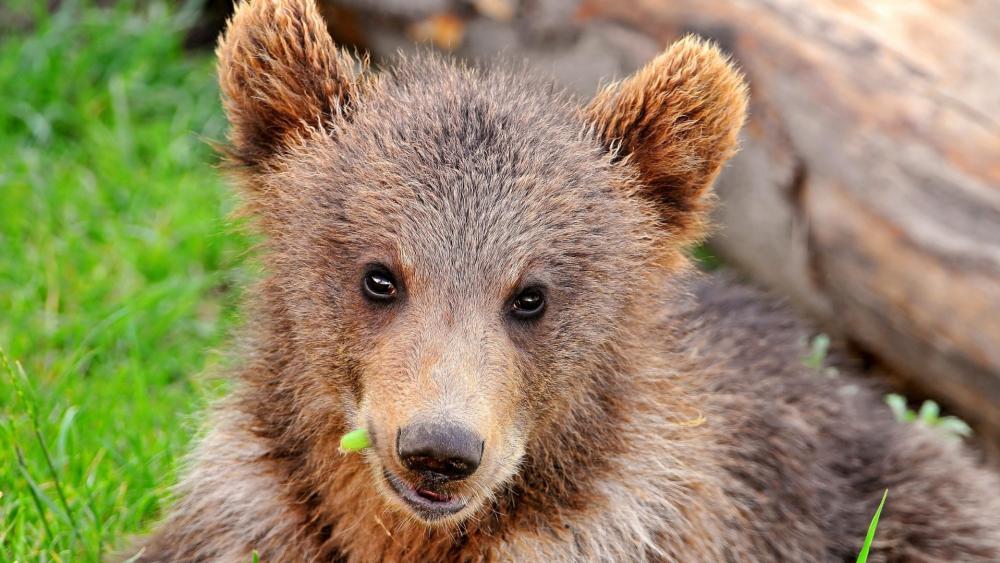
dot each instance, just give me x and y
(459, 255)
(470, 251)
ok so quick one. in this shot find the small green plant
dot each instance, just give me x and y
(865, 547)
(255, 557)
(819, 348)
(705, 258)
(355, 441)
(928, 415)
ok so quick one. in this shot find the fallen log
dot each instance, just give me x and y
(869, 184)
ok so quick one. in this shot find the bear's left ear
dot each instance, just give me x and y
(676, 121)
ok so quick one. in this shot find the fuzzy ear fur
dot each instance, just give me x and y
(280, 75)
(677, 121)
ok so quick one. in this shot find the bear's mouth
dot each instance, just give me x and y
(429, 504)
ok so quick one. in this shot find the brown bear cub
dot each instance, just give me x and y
(492, 280)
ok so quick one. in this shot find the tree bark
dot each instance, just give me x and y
(869, 184)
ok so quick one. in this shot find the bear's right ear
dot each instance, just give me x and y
(280, 76)
(675, 122)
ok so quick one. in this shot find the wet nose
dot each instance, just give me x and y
(439, 451)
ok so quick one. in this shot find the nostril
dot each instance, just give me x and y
(447, 467)
(438, 451)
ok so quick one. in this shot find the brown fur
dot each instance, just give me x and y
(649, 414)
(677, 119)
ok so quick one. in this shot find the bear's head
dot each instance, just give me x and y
(461, 262)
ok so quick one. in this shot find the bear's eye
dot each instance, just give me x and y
(379, 284)
(528, 304)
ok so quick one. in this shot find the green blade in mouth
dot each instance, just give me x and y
(355, 441)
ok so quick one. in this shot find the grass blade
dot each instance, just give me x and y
(863, 556)
(17, 378)
(35, 491)
(55, 480)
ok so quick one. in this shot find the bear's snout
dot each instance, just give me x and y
(439, 451)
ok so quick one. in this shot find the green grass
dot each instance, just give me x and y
(115, 270)
(870, 537)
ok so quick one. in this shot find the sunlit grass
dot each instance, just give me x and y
(116, 271)
(870, 536)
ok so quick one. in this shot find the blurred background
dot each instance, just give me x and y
(867, 192)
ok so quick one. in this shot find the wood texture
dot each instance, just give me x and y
(869, 184)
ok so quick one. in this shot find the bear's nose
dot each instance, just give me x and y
(439, 451)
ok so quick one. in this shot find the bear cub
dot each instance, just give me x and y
(492, 279)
